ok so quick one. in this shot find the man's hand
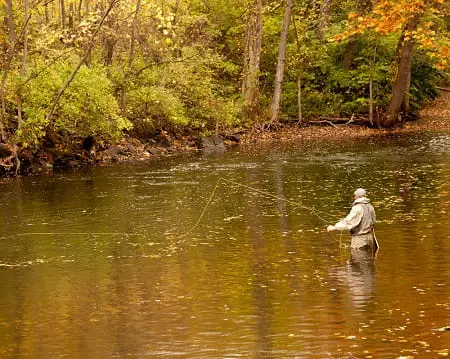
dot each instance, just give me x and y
(331, 228)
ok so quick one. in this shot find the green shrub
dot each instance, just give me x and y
(181, 93)
(87, 107)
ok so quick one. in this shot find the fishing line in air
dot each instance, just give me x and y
(312, 210)
(317, 213)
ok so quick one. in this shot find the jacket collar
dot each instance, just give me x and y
(364, 200)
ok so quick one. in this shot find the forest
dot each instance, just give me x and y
(73, 70)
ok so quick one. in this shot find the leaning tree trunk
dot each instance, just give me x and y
(276, 101)
(250, 81)
(400, 88)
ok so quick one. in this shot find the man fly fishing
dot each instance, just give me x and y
(360, 222)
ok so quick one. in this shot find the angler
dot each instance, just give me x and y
(360, 222)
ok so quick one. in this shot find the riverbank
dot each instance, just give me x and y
(435, 117)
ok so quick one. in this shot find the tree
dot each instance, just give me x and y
(131, 55)
(324, 18)
(252, 58)
(363, 7)
(414, 20)
(80, 63)
(276, 100)
(402, 81)
(10, 42)
(23, 67)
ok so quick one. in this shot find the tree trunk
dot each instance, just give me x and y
(23, 68)
(250, 81)
(47, 18)
(276, 101)
(108, 51)
(62, 12)
(133, 33)
(372, 65)
(131, 56)
(363, 7)
(176, 25)
(80, 5)
(9, 20)
(71, 15)
(299, 98)
(405, 102)
(299, 75)
(10, 23)
(402, 80)
(324, 18)
(350, 53)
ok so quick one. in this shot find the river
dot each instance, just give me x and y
(227, 256)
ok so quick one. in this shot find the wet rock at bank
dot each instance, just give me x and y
(212, 144)
(151, 149)
(234, 139)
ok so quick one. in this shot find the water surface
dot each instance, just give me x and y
(164, 259)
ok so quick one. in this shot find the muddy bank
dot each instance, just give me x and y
(56, 156)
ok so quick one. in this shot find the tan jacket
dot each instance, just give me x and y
(360, 222)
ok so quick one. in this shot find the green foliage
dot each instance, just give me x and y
(87, 107)
(182, 93)
(151, 108)
(185, 66)
(424, 78)
(328, 89)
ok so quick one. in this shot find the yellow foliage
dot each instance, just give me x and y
(391, 16)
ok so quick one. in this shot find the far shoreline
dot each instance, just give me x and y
(433, 118)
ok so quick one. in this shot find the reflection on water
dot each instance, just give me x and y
(360, 277)
(95, 264)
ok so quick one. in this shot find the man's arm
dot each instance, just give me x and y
(349, 222)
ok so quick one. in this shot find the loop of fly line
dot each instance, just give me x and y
(265, 193)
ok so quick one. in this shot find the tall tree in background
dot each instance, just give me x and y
(363, 7)
(6, 61)
(252, 58)
(416, 23)
(276, 100)
(324, 18)
(400, 98)
(123, 100)
(62, 13)
(23, 67)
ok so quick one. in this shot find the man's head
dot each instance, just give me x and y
(360, 192)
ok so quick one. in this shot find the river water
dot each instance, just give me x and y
(227, 256)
